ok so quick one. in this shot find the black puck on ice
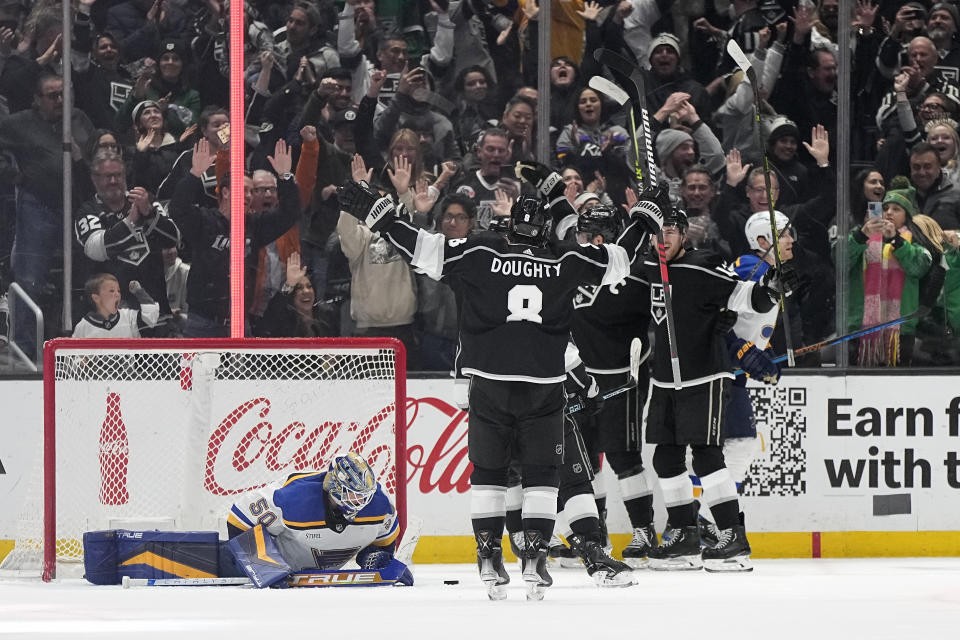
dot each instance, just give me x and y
(451, 582)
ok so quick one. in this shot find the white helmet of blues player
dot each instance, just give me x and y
(758, 225)
(350, 483)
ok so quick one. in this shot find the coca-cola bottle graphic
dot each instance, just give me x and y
(114, 455)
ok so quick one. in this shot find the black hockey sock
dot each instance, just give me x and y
(640, 510)
(682, 515)
(726, 514)
(494, 524)
(589, 528)
(601, 504)
(514, 520)
(543, 525)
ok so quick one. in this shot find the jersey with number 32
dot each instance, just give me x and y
(516, 299)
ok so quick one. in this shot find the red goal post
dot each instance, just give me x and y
(155, 433)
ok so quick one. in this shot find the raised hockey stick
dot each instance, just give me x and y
(850, 336)
(738, 56)
(636, 353)
(629, 74)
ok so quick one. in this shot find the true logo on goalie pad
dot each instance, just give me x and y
(658, 309)
(333, 578)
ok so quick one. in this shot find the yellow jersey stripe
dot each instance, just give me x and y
(304, 525)
(167, 566)
(237, 522)
(388, 540)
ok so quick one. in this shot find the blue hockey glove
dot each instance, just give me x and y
(756, 363)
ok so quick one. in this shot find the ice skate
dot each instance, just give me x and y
(635, 553)
(560, 555)
(679, 551)
(731, 552)
(605, 571)
(490, 563)
(709, 533)
(535, 565)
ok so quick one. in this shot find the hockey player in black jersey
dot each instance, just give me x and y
(605, 320)
(702, 288)
(514, 325)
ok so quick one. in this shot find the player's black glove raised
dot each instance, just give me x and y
(548, 182)
(756, 363)
(650, 209)
(366, 204)
(785, 280)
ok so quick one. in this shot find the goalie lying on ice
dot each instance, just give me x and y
(315, 521)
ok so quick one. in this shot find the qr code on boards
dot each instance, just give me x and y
(781, 468)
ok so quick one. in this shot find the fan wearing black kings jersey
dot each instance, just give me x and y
(605, 321)
(702, 287)
(516, 294)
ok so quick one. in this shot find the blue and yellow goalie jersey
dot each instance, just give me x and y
(310, 531)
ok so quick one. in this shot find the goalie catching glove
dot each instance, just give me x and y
(652, 207)
(755, 363)
(367, 205)
(548, 182)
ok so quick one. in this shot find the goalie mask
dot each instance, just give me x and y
(758, 225)
(531, 224)
(350, 483)
(601, 220)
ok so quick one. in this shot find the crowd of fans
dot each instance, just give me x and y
(433, 101)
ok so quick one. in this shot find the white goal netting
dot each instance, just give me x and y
(140, 435)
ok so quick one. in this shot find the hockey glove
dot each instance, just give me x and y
(650, 209)
(366, 204)
(756, 363)
(548, 182)
(588, 397)
(785, 280)
(726, 320)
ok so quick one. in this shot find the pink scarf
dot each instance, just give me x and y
(883, 279)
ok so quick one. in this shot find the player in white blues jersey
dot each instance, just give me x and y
(515, 314)
(322, 520)
(702, 288)
(749, 346)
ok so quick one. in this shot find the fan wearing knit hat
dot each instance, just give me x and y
(782, 144)
(886, 260)
(667, 78)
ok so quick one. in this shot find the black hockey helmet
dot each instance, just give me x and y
(602, 220)
(531, 224)
(676, 217)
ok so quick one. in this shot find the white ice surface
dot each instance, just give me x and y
(810, 599)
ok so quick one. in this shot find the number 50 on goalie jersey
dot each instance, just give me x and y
(311, 533)
(515, 299)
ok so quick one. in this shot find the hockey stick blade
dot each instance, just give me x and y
(410, 539)
(609, 89)
(636, 359)
(740, 58)
(636, 353)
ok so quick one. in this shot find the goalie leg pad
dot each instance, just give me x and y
(257, 553)
(110, 555)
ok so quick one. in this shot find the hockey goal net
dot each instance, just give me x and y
(164, 434)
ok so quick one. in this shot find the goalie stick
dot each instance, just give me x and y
(850, 336)
(738, 56)
(636, 352)
(629, 74)
(337, 578)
